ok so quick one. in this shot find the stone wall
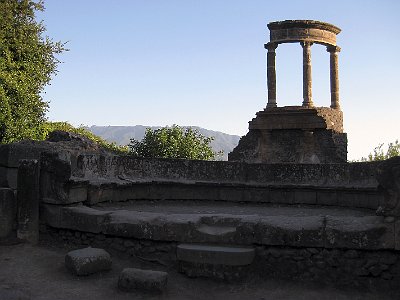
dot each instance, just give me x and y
(291, 146)
(294, 135)
(72, 176)
(338, 266)
(88, 166)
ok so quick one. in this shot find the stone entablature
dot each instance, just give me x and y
(303, 30)
(306, 32)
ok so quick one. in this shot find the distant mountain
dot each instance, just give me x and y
(123, 134)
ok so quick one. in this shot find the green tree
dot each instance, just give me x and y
(27, 63)
(379, 153)
(173, 142)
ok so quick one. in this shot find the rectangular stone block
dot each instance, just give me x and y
(12, 174)
(215, 254)
(261, 195)
(371, 200)
(234, 194)
(3, 177)
(397, 235)
(132, 192)
(347, 199)
(77, 194)
(180, 191)
(303, 196)
(132, 279)
(281, 196)
(88, 261)
(28, 201)
(294, 231)
(8, 212)
(15, 152)
(202, 191)
(51, 215)
(4, 150)
(367, 232)
(83, 218)
(95, 194)
(327, 198)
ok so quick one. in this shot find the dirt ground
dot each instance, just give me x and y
(38, 272)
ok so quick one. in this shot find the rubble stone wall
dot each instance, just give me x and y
(340, 266)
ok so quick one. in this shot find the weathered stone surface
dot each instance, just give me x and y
(28, 201)
(397, 234)
(132, 279)
(369, 232)
(388, 176)
(299, 230)
(215, 255)
(307, 231)
(8, 211)
(303, 30)
(215, 271)
(283, 135)
(88, 261)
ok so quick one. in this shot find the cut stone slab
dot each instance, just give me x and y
(88, 261)
(132, 279)
(206, 224)
(368, 232)
(215, 255)
(8, 211)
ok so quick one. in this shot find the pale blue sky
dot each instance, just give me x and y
(202, 63)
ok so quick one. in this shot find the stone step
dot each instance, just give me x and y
(215, 261)
(262, 225)
(215, 254)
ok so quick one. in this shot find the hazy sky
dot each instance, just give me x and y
(202, 63)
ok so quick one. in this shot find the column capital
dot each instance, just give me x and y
(333, 49)
(270, 46)
(306, 44)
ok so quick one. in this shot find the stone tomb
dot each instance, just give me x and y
(297, 134)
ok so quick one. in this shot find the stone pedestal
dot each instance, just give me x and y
(294, 134)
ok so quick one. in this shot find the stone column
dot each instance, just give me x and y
(307, 83)
(333, 50)
(28, 201)
(271, 74)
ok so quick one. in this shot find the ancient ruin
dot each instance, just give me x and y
(297, 134)
(290, 207)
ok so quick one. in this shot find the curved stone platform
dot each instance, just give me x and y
(244, 225)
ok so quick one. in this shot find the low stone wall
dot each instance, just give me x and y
(158, 251)
(73, 176)
(94, 178)
(89, 166)
(333, 266)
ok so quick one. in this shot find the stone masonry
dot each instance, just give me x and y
(297, 134)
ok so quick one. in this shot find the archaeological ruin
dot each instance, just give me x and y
(287, 204)
(297, 134)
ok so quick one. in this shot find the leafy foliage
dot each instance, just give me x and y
(64, 126)
(27, 62)
(173, 142)
(379, 153)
